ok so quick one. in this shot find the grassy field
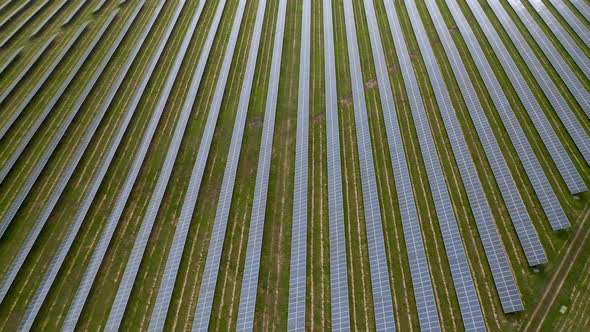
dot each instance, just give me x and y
(273, 284)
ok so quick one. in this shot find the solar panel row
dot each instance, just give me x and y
(525, 230)
(73, 162)
(382, 303)
(74, 227)
(531, 106)
(297, 276)
(252, 263)
(584, 9)
(211, 271)
(565, 72)
(420, 273)
(118, 308)
(339, 306)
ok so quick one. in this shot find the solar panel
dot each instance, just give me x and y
(523, 225)
(581, 6)
(382, 302)
(16, 80)
(422, 284)
(74, 227)
(539, 181)
(503, 278)
(61, 184)
(338, 270)
(120, 303)
(565, 72)
(214, 254)
(22, 23)
(540, 121)
(9, 60)
(297, 277)
(252, 263)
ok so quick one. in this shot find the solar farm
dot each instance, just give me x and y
(273, 165)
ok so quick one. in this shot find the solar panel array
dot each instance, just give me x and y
(503, 278)
(7, 167)
(100, 250)
(245, 321)
(72, 164)
(540, 121)
(15, 113)
(297, 272)
(382, 303)
(74, 227)
(81, 74)
(565, 72)
(536, 175)
(40, 165)
(574, 51)
(340, 310)
(577, 133)
(99, 6)
(60, 132)
(525, 230)
(572, 20)
(463, 281)
(49, 16)
(17, 79)
(420, 273)
(126, 284)
(17, 10)
(22, 23)
(74, 12)
(214, 253)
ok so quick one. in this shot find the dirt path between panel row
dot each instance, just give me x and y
(560, 275)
